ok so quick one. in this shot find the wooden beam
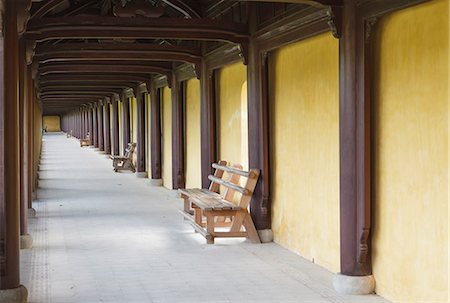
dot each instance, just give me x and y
(40, 30)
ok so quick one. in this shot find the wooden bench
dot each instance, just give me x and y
(86, 141)
(216, 215)
(125, 162)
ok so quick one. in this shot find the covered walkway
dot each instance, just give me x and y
(106, 237)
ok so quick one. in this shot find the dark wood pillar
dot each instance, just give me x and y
(155, 131)
(258, 136)
(125, 122)
(95, 125)
(10, 151)
(140, 135)
(208, 122)
(30, 141)
(115, 126)
(355, 158)
(23, 138)
(101, 141)
(178, 180)
(107, 127)
(91, 124)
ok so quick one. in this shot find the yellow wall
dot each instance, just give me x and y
(232, 131)
(53, 123)
(304, 121)
(166, 104)
(410, 239)
(192, 140)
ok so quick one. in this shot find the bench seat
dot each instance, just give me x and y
(209, 201)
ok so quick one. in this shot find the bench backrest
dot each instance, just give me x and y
(129, 150)
(232, 184)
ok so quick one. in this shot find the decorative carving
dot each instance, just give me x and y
(136, 8)
(243, 52)
(363, 246)
(335, 20)
(23, 15)
(369, 27)
(30, 48)
(197, 70)
(2, 11)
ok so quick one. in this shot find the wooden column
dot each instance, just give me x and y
(258, 136)
(125, 122)
(355, 157)
(23, 138)
(207, 122)
(10, 151)
(91, 124)
(95, 125)
(30, 141)
(115, 126)
(101, 141)
(178, 180)
(140, 135)
(107, 127)
(155, 131)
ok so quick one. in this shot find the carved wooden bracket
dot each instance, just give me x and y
(335, 20)
(128, 93)
(23, 15)
(243, 52)
(30, 48)
(138, 8)
(141, 88)
(370, 24)
(2, 11)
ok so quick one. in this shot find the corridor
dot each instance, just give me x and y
(106, 237)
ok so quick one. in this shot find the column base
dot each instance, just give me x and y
(31, 213)
(156, 182)
(26, 241)
(19, 294)
(265, 235)
(354, 285)
(141, 175)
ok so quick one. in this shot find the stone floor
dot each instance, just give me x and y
(110, 237)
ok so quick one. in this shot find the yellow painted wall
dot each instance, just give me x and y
(193, 140)
(304, 107)
(410, 239)
(53, 123)
(166, 118)
(148, 154)
(120, 128)
(133, 124)
(232, 131)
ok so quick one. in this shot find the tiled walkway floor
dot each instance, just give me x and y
(106, 237)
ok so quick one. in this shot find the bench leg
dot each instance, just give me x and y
(210, 229)
(252, 234)
(238, 221)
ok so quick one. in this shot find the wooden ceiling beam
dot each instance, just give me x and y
(95, 77)
(45, 29)
(52, 68)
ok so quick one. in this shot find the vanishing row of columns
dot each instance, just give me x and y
(19, 153)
